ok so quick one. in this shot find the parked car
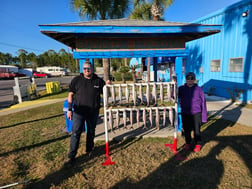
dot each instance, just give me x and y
(20, 75)
(7, 75)
(41, 74)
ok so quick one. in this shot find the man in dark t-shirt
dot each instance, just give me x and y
(84, 95)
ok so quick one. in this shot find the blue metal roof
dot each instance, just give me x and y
(172, 32)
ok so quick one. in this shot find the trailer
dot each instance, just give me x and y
(52, 70)
(9, 72)
(8, 69)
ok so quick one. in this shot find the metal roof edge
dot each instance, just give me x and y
(223, 10)
(125, 21)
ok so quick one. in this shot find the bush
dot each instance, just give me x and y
(118, 76)
(128, 77)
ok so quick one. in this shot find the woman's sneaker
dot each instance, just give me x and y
(197, 148)
(187, 147)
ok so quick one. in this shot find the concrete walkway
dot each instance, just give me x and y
(216, 106)
(234, 112)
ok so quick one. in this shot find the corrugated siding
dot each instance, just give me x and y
(232, 42)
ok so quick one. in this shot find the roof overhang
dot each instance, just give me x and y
(127, 35)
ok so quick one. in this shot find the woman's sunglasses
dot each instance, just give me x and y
(189, 78)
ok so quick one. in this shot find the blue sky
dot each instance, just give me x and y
(19, 20)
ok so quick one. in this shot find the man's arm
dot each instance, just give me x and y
(70, 103)
(108, 82)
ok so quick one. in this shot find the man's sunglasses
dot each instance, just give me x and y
(189, 78)
(86, 68)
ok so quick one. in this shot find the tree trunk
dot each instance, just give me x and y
(123, 79)
(134, 76)
(106, 68)
(142, 65)
(125, 62)
(148, 69)
(155, 18)
(77, 66)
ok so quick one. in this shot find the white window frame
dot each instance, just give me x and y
(215, 68)
(236, 68)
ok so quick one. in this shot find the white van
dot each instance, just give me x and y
(52, 70)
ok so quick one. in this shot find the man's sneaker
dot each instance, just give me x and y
(69, 161)
(89, 154)
(197, 148)
(187, 147)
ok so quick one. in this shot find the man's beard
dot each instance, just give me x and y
(88, 75)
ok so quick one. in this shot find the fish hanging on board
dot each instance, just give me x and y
(124, 118)
(141, 93)
(131, 118)
(150, 117)
(111, 120)
(117, 118)
(105, 96)
(171, 117)
(127, 93)
(162, 94)
(154, 94)
(164, 117)
(168, 91)
(120, 93)
(138, 116)
(175, 92)
(157, 119)
(134, 95)
(148, 94)
(113, 94)
(144, 118)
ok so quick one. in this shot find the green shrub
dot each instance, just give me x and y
(118, 76)
(128, 77)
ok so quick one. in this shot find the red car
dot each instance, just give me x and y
(41, 74)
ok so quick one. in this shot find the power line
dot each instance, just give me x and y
(22, 47)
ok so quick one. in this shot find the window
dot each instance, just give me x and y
(215, 66)
(235, 64)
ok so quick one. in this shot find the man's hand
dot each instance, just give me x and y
(70, 115)
(108, 82)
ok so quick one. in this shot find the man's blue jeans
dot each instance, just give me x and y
(77, 128)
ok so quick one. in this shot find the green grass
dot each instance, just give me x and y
(44, 96)
(33, 147)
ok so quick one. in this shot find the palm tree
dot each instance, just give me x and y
(101, 10)
(22, 55)
(32, 58)
(8, 59)
(133, 72)
(147, 10)
(158, 7)
(141, 11)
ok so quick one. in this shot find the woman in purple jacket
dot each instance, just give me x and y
(193, 109)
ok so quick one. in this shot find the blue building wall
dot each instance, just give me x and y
(234, 41)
